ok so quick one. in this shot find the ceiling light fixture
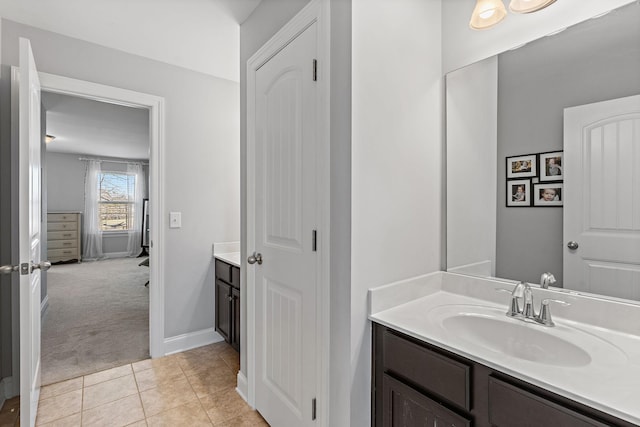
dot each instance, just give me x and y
(488, 13)
(528, 6)
(49, 138)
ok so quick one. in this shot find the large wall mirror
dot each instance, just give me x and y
(558, 118)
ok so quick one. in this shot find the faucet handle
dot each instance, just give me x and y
(544, 317)
(514, 307)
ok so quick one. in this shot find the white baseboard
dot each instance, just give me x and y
(191, 340)
(44, 305)
(243, 387)
(6, 389)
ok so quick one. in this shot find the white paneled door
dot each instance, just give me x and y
(285, 286)
(602, 197)
(29, 197)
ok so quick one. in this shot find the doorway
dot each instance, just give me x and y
(155, 107)
(95, 310)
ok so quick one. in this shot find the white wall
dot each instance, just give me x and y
(462, 45)
(472, 138)
(396, 199)
(202, 157)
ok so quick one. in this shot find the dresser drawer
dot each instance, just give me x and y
(62, 226)
(432, 371)
(62, 217)
(62, 244)
(61, 235)
(62, 253)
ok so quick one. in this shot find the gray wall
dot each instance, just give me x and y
(201, 157)
(536, 82)
(65, 191)
(266, 20)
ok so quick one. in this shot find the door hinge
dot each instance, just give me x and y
(314, 241)
(313, 408)
(315, 70)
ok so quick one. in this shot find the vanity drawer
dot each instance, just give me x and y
(509, 404)
(223, 271)
(228, 273)
(62, 226)
(436, 373)
(61, 235)
(61, 244)
(62, 217)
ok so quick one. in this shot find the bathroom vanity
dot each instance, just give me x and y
(227, 271)
(444, 353)
(417, 384)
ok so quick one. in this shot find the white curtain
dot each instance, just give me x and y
(134, 244)
(91, 232)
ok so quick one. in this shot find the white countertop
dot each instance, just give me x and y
(230, 257)
(610, 383)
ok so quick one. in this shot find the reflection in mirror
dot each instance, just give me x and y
(529, 101)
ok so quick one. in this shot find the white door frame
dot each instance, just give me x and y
(155, 105)
(315, 11)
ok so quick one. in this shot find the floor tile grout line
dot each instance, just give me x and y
(135, 379)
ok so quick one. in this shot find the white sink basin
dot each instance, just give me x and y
(491, 329)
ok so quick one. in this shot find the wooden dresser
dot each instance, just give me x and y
(63, 236)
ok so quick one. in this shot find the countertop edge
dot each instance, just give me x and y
(232, 258)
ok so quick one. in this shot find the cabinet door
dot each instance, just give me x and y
(235, 319)
(405, 407)
(223, 309)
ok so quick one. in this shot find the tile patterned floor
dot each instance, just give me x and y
(194, 388)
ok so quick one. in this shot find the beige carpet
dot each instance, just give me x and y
(98, 318)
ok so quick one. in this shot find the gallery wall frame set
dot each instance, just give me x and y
(535, 180)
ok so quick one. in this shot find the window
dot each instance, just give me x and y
(116, 201)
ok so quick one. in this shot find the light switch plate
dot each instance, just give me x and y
(175, 219)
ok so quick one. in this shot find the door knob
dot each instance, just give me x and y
(572, 245)
(8, 269)
(255, 258)
(43, 266)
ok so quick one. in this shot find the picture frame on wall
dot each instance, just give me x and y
(548, 195)
(551, 165)
(522, 166)
(519, 193)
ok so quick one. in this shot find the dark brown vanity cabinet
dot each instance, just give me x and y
(228, 302)
(418, 384)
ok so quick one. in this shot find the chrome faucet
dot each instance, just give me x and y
(547, 279)
(527, 313)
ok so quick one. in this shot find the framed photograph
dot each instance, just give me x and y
(549, 194)
(551, 166)
(522, 166)
(519, 192)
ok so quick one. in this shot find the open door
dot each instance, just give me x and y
(29, 231)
